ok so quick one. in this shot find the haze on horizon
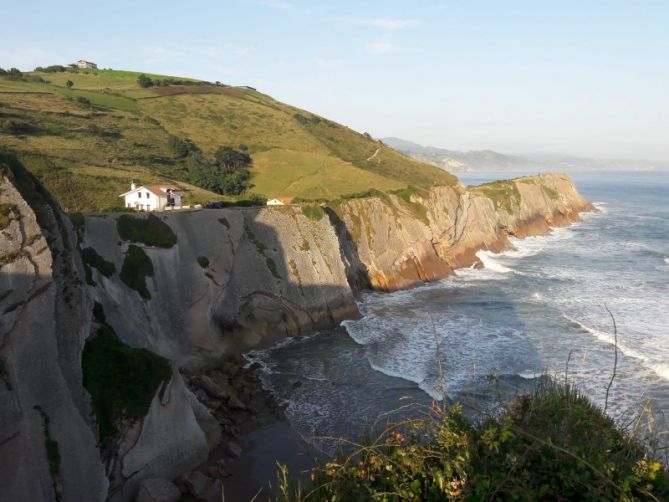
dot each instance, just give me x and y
(579, 77)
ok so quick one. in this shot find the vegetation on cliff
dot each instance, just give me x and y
(121, 380)
(504, 194)
(86, 133)
(137, 266)
(151, 231)
(552, 444)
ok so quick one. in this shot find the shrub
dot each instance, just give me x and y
(151, 231)
(203, 261)
(229, 159)
(17, 127)
(91, 258)
(550, 445)
(83, 101)
(69, 84)
(137, 266)
(51, 69)
(13, 74)
(313, 212)
(179, 147)
(121, 380)
(218, 180)
(144, 81)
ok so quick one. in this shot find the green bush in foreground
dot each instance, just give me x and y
(151, 231)
(551, 445)
(121, 380)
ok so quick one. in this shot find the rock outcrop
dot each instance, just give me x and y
(221, 282)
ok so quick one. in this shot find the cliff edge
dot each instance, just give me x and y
(175, 292)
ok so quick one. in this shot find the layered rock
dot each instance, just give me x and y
(235, 279)
(396, 241)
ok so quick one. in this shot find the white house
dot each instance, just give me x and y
(151, 197)
(86, 64)
(281, 201)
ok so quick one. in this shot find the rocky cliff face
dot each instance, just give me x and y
(396, 241)
(196, 288)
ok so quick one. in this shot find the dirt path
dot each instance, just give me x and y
(373, 156)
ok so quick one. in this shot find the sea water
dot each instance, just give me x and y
(546, 306)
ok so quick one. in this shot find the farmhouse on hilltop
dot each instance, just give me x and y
(151, 197)
(83, 64)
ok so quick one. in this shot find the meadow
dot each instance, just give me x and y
(86, 141)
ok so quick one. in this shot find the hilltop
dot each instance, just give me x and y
(86, 133)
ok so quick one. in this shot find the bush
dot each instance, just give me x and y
(13, 74)
(121, 380)
(229, 159)
(51, 69)
(137, 266)
(313, 212)
(85, 102)
(551, 445)
(203, 261)
(179, 147)
(151, 231)
(144, 81)
(217, 180)
(17, 127)
(91, 258)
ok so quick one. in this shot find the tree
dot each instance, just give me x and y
(144, 81)
(69, 84)
(229, 159)
(216, 179)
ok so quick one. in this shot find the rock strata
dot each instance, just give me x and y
(269, 273)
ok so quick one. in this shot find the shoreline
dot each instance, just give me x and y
(256, 435)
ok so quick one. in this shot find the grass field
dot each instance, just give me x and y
(86, 143)
(300, 174)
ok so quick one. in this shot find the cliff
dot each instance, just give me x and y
(184, 291)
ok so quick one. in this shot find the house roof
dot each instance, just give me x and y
(159, 190)
(84, 61)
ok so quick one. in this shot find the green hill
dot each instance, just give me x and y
(87, 141)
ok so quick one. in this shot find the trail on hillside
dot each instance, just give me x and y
(373, 156)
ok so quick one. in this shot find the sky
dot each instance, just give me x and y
(582, 77)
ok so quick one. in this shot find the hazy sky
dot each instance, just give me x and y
(582, 77)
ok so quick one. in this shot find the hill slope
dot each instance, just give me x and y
(87, 142)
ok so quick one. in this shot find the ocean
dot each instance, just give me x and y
(483, 335)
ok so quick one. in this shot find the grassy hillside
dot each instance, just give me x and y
(87, 142)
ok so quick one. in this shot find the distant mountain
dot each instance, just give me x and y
(488, 160)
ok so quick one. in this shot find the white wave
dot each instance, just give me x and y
(662, 370)
(490, 262)
(529, 375)
(666, 260)
(601, 207)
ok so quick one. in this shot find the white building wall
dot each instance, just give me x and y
(143, 200)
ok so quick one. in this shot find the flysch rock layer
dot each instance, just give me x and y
(269, 273)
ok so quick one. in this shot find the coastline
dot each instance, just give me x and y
(256, 435)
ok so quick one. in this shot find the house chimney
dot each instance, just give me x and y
(132, 185)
